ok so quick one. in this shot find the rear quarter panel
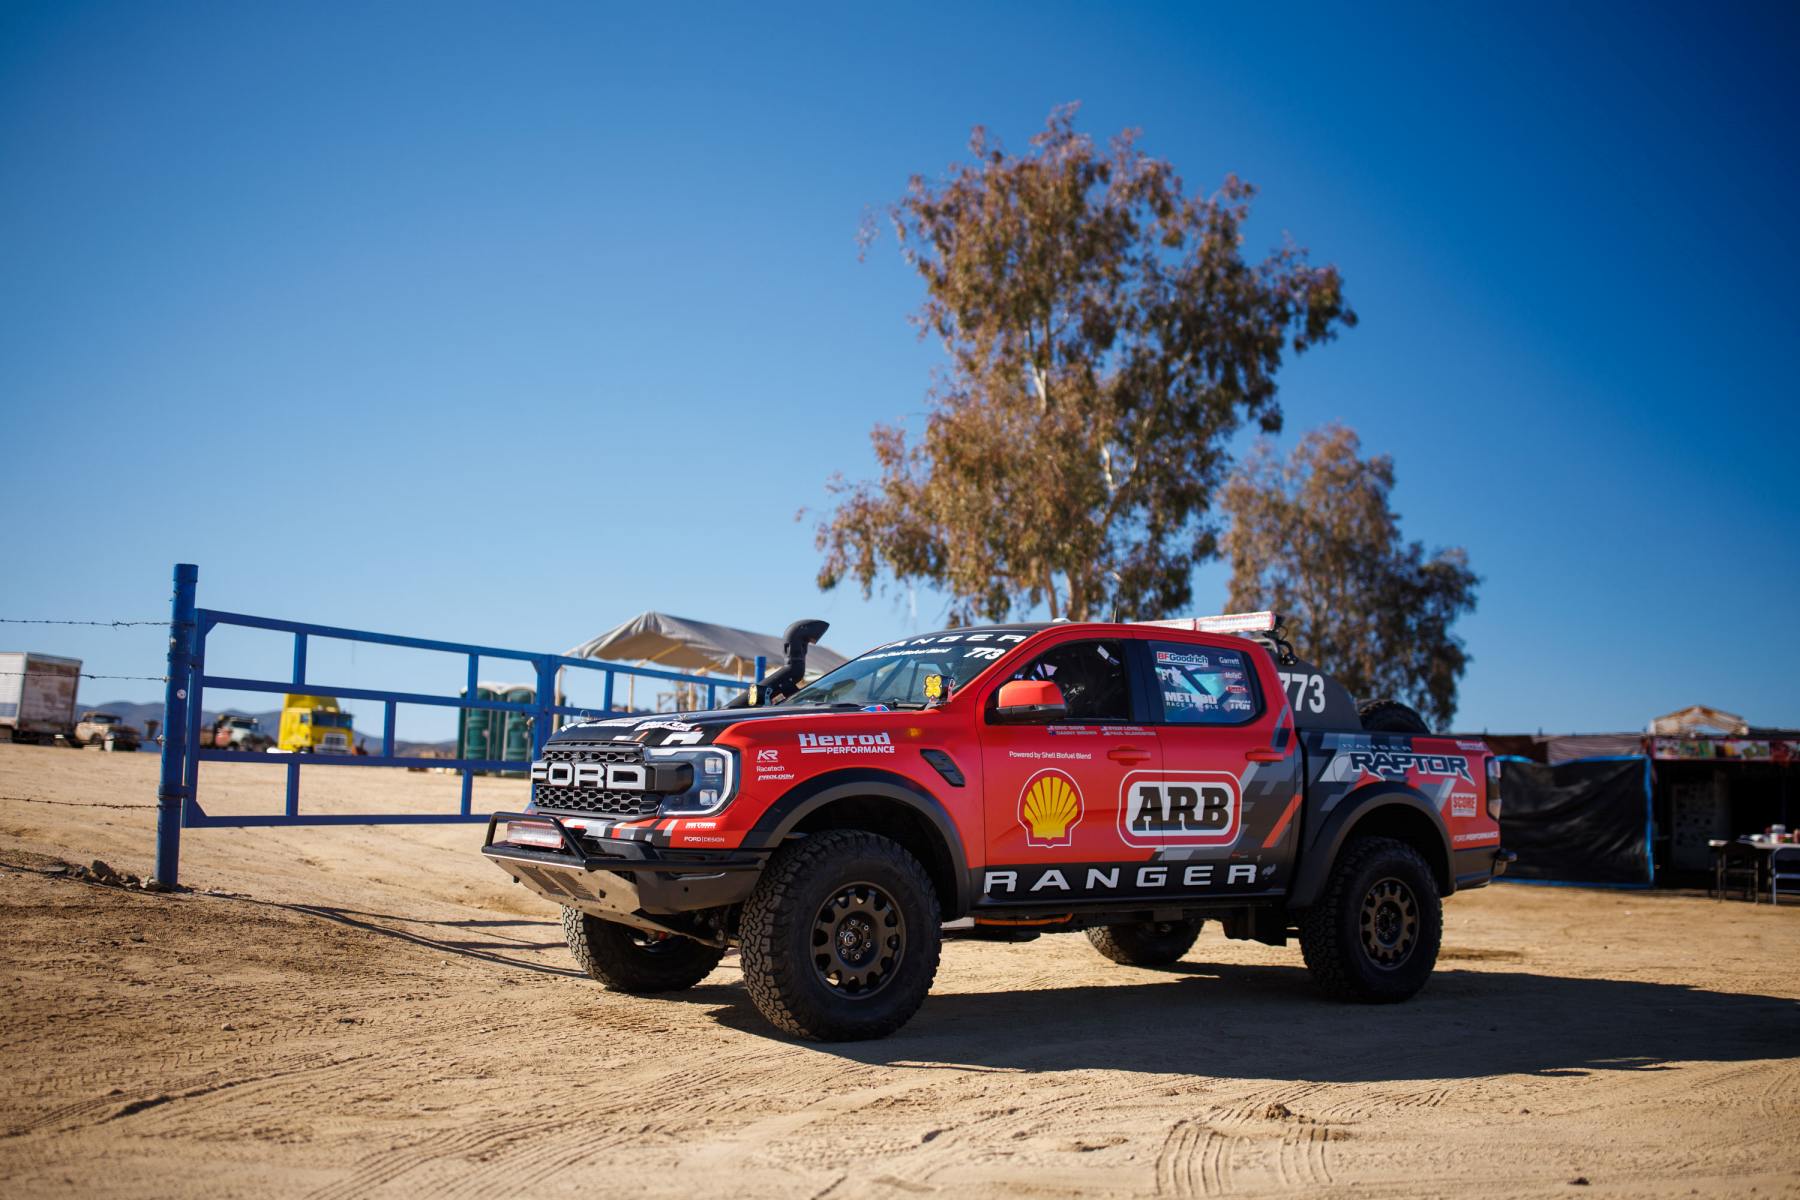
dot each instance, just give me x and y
(1447, 774)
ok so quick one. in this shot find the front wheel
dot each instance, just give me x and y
(1373, 936)
(633, 960)
(1145, 943)
(840, 937)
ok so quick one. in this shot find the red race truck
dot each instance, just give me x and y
(1130, 780)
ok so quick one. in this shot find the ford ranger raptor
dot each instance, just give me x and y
(1133, 780)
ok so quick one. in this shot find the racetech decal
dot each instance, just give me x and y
(1050, 807)
(1179, 808)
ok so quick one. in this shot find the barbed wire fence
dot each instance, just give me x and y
(57, 621)
(97, 624)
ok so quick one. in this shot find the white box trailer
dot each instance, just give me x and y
(37, 696)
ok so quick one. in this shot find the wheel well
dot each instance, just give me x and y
(899, 822)
(1406, 824)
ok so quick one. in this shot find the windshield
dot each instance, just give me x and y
(331, 720)
(895, 675)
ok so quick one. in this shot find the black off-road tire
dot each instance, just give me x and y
(832, 890)
(1146, 943)
(1390, 716)
(1378, 887)
(630, 960)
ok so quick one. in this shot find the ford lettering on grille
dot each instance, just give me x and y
(616, 777)
(608, 779)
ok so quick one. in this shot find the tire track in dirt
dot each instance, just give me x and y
(1195, 1160)
(74, 1115)
(1303, 1157)
(392, 1163)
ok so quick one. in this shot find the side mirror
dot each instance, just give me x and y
(1029, 702)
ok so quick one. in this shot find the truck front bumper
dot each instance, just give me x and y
(620, 880)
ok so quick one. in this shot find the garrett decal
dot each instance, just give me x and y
(1179, 808)
(1050, 808)
(1462, 804)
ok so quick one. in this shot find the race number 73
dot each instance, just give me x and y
(1306, 691)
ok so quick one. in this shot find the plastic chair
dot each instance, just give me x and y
(1780, 857)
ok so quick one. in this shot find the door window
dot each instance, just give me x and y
(1091, 677)
(1203, 685)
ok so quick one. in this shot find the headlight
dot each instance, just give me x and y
(712, 785)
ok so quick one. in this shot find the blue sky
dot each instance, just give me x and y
(502, 323)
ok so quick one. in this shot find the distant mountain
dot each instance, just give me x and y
(137, 714)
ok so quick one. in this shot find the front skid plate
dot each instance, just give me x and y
(601, 893)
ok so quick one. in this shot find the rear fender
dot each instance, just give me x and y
(1379, 806)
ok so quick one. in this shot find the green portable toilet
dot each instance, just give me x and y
(477, 732)
(516, 744)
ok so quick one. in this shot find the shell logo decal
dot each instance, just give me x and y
(1050, 808)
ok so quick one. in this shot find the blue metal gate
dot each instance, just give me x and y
(178, 799)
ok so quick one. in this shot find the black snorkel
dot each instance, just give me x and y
(786, 679)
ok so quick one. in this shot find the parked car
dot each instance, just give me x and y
(231, 731)
(107, 731)
(1133, 781)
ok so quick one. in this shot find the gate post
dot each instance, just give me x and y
(171, 788)
(546, 706)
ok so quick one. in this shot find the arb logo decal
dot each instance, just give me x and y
(1050, 809)
(1182, 808)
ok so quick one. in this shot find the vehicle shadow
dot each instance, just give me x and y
(1265, 1022)
(496, 952)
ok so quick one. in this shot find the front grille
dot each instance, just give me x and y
(594, 752)
(595, 800)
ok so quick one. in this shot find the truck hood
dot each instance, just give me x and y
(681, 729)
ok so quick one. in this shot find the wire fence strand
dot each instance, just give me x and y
(103, 624)
(85, 675)
(75, 803)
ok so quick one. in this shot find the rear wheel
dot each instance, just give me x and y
(634, 960)
(1373, 936)
(1146, 943)
(840, 937)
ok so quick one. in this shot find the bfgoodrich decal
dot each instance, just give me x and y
(1179, 808)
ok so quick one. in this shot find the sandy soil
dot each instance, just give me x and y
(338, 1012)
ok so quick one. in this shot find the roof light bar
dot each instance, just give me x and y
(1253, 622)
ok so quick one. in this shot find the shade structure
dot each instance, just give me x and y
(684, 644)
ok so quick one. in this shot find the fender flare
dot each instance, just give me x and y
(1322, 850)
(779, 820)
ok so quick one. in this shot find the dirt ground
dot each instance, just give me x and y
(348, 1011)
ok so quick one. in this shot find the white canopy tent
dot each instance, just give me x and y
(654, 639)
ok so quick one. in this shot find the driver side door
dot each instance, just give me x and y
(1051, 789)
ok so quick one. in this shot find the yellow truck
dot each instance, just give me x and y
(314, 725)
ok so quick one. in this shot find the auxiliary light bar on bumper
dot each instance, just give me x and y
(614, 854)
